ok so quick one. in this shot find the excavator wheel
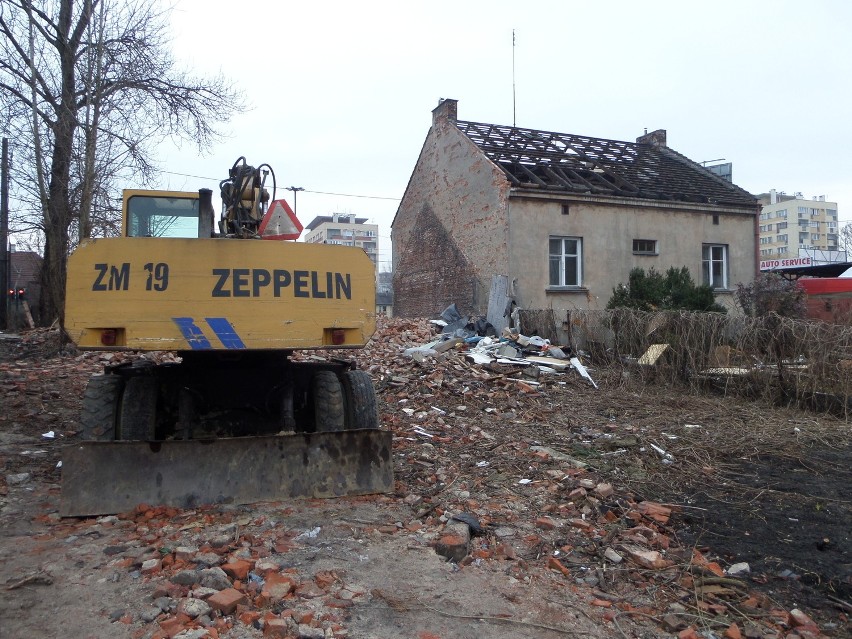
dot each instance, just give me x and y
(329, 416)
(100, 405)
(137, 418)
(361, 408)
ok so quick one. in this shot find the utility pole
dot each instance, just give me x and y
(4, 235)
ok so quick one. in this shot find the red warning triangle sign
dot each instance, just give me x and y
(280, 223)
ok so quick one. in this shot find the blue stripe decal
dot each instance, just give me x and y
(193, 335)
(225, 332)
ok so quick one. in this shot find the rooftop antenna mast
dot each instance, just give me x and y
(514, 109)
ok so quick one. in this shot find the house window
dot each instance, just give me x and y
(645, 247)
(714, 265)
(566, 261)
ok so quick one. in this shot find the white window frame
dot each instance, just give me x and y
(712, 255)
(562, 258)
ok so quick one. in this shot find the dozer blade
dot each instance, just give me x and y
(100, 478)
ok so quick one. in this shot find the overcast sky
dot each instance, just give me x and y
(341, 93)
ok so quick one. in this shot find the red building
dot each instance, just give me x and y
(829, 298)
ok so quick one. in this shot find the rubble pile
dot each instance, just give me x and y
(498, 473)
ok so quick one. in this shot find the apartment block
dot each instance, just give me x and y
(347, 230)
(791, 226)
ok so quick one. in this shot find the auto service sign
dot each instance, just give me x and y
(769, 265)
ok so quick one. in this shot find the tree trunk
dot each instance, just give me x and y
(58, 214)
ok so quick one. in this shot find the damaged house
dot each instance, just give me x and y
(562, 218)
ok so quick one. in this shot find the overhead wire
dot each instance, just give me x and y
(370, 197)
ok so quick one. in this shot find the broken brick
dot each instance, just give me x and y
(732, 632)
(227, 600)
(554, 564)
(238, 569)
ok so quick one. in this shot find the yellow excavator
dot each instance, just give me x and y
(229, 416)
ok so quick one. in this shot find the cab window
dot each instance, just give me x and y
(150, 216)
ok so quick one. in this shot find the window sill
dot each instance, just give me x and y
(646, 254)
(566, 289)
(723, 291)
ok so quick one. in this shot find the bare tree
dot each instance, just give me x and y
(844, 239)
(88, 89)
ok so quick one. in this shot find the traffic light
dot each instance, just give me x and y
(17, 293)
(21, 293)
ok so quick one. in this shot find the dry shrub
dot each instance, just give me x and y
(778, 359)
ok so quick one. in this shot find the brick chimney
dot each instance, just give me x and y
(446, 110)
(654, 138)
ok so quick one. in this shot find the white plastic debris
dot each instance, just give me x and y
(668, 458)
(481, 464)
(535, 340)
(59, 464)
(741, 568)
(524, 482)
(613, 555)
(582, 370)
(49, 435)
(309, 534)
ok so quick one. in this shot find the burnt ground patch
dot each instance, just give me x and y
(789, 516)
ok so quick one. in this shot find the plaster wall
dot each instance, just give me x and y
(608, 229)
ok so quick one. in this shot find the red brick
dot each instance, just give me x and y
(227, 600)
(733, 632)
(325, 579)
(452, 546)
(276, 628)
(279, 585)
(238, 569)
(174, 625)
(554, 564)
(582, 524)
(655, 511)
(545, 523)
(248, 617)
(303, 617)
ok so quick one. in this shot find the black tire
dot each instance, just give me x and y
(329, 415)
(137, 417)
(100, 408)
(361, 406)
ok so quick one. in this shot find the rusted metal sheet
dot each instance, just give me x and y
(110, 477)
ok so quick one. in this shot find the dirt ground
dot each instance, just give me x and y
(585, 528)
